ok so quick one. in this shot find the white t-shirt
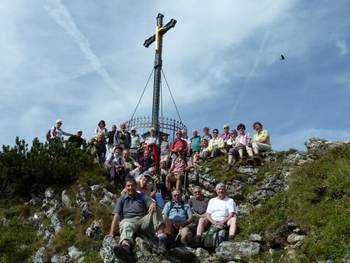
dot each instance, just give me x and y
(220, 208)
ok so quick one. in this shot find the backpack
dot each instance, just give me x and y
(48, 134)
(172, 205)
(214, 236)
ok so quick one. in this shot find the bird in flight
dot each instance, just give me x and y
(282, 57)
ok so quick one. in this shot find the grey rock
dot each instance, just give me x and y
(56, 223)
(108, 198)
(65, 199)
(107, 250)
(95, 229)
(325, 261)
(201, 253)
(248, 170)
(294, 238)
(74, 252)
(183, 254)
(39, 256)
(95, 187)
(237, 250)
(35, 200)
(346, 259)
(49, 193)
(255, 238)
(60, 259)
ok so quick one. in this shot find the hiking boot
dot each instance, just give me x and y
(124, 252)
(257, 159)
(162, 245)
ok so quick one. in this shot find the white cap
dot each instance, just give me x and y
(58, 121)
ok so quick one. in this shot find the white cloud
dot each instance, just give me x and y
(343, 48)
(61, 15)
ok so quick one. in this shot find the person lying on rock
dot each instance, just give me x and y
(135, 213)
(177, 215)
(221, 211)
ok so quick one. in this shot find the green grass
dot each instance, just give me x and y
(318, 200)
(18, 241)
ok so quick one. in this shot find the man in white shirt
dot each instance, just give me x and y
(221, 211)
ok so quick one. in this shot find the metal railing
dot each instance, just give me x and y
(166, 125)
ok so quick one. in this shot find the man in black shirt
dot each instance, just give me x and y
(76, 139)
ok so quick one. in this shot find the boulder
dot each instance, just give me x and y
(65, 199)
(183, 254)
(255, 238)
(39, 256)
(95, 229)
(294, 238)
(235, 250)
(74, 253)
(107, 250)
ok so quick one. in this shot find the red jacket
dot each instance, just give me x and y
(179, 144)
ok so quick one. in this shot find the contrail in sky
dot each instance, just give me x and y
(243, 90)
(61, 15)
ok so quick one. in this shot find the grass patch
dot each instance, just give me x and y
(18, 241)
(318, 201)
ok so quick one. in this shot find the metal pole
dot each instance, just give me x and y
(157, 75)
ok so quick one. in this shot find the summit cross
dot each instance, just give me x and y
(157, 37)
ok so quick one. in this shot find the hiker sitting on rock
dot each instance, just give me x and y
(135, 213)
(221, 211)
(179, 143)
(131, 166)
(231, 147)
(199, 204)
(176, 172)
(244, 143)
(261, 142)
(206, 135)
(216, 144)
(116, 164)
(177, 216)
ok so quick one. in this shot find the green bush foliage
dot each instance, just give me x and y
(25, 170)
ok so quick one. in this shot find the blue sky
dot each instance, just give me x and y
(83, 60)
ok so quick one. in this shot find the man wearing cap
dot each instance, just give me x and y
(56, 132)
(179, 144)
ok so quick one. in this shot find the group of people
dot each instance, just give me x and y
(125, 152)
(179, 222)
(153, 169)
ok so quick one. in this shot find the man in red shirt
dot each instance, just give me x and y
(179, 144)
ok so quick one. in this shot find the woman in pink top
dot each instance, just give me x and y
(176, 172)
(244, 142)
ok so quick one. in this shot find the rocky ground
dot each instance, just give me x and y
(72, 224)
